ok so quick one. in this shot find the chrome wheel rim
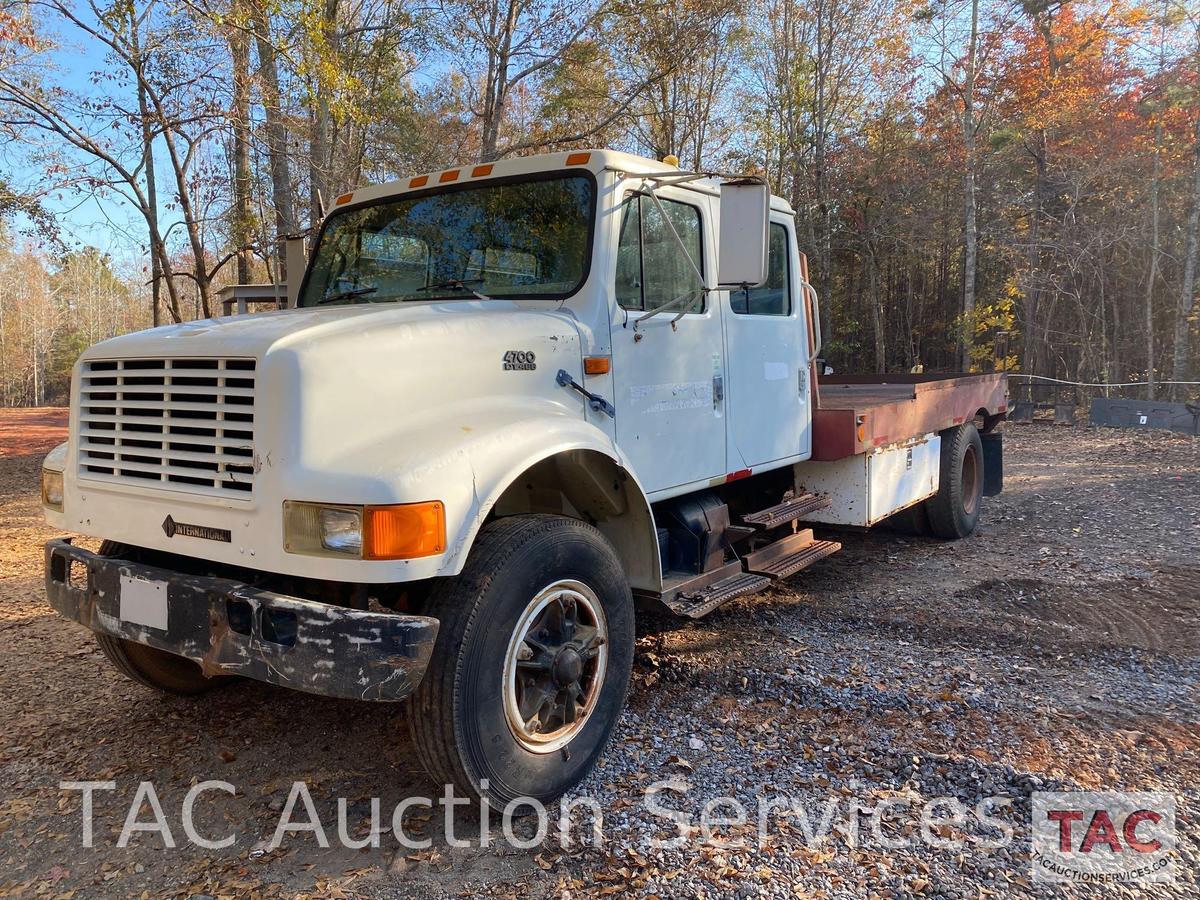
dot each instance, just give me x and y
(554, 667)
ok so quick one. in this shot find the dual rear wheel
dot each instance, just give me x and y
(953, 512)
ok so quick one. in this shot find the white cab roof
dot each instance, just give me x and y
(594, 161)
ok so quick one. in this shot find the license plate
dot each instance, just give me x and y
(144, 602)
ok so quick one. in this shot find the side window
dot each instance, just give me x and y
(774, 297)
(629, 256)
(652, 270)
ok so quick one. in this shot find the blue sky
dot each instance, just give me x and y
(106, 222)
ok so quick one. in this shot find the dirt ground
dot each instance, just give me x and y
(1056, 649)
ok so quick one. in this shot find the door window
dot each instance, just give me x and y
(772, 298)
(652, 269)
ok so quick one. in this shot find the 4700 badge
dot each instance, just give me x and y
(519, 361)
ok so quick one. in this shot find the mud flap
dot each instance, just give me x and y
(993, 463)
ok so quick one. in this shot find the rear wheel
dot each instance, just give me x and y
(149, 666)
(532, 662)
(913, 520)
(954, 509)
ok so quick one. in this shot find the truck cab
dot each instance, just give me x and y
(509, 400)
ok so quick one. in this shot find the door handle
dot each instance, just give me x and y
(718, 390)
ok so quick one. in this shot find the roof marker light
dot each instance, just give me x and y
(419, 181)
(448, 175)
(578, 159)
(480, 171)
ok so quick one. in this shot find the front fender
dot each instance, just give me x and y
(500, 454)
(466, 456)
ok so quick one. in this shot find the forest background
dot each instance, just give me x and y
(979, 184)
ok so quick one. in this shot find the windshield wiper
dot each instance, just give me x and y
(351, 294)
(459, 283)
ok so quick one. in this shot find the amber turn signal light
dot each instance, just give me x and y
(404, 530)
(596, 365)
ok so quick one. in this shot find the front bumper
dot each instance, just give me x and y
(229, 627)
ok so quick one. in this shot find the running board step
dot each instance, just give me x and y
(790, 555)
(787, 511)
(694, 604)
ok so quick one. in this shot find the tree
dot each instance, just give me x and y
(108, 145)
(1186, 310)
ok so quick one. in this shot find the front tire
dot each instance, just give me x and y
(532, 662)
(954, 509)
(149, 666)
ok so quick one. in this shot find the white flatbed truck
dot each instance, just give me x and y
(508, 401)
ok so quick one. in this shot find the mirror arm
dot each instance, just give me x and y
(678, 239)
(685, 299)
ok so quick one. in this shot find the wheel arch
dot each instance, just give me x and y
(590, 485)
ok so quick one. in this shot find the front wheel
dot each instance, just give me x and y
(532, 662)
(149, 666)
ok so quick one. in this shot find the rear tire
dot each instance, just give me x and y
(954, 509)
(541, 612)
(913, 520)
(149, 666)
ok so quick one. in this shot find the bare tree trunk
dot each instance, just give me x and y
(241, 230)
(276, 134)
(1031, 350)
(970, 232)
(877, 322)
(321, 144)
(821, 77)
(1152, 275)
(1187, 289)
(160, 263)
(496, 86)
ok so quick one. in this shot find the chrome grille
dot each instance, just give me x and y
(175, 424)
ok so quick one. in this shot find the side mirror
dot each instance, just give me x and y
(742, 260)
(296, 258)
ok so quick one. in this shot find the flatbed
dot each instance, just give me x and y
(858, 413)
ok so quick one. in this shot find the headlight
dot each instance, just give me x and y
(52, 489)
(341, 530)
(396, 531)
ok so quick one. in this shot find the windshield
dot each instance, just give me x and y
(521, 239)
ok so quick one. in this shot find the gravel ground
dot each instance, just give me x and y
(1053, 650)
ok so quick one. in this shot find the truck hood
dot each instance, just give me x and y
(347, 398)
(255, 335)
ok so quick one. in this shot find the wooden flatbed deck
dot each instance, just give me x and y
(857, 413)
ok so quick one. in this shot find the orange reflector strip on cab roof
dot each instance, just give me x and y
(345, 198)
(596, 365)
(480, 171)
(578, 159)
(448, 175)
(404, 530)
(419, 181)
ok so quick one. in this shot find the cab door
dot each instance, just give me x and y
(668, 368)
(767, 359)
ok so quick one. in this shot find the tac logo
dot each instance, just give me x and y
(1103, 837)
